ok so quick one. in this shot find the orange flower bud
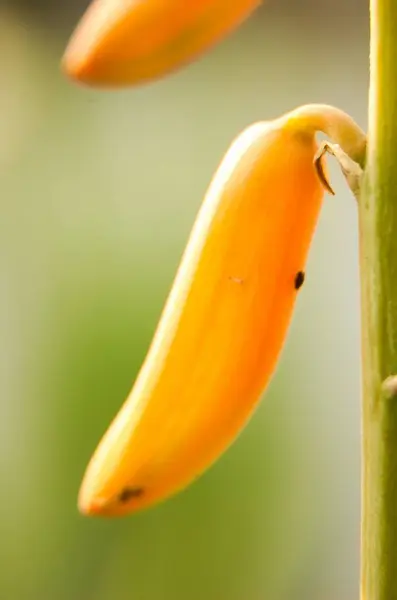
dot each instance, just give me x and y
(128, 42)
(223, 326)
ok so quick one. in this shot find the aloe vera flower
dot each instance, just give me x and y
(129, 42)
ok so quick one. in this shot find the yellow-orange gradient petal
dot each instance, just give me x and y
(223, 326)
(128, 42)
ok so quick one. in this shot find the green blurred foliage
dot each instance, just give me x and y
(98, 195)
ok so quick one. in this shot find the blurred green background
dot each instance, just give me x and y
(98, 193)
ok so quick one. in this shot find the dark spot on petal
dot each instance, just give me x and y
(299, 279)
(130, 492)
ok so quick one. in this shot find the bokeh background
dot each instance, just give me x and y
(98, 193)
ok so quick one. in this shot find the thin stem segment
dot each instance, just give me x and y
(336, 124)
(378, 264)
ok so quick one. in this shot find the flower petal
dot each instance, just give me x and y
(128, 42)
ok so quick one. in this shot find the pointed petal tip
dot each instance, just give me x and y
(88, 503)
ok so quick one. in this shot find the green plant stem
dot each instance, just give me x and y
(378, 265)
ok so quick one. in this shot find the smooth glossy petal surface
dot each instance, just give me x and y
(223, 326)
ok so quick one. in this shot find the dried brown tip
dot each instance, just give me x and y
(319, 166)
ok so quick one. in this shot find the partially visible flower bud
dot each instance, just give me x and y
(128, 42)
